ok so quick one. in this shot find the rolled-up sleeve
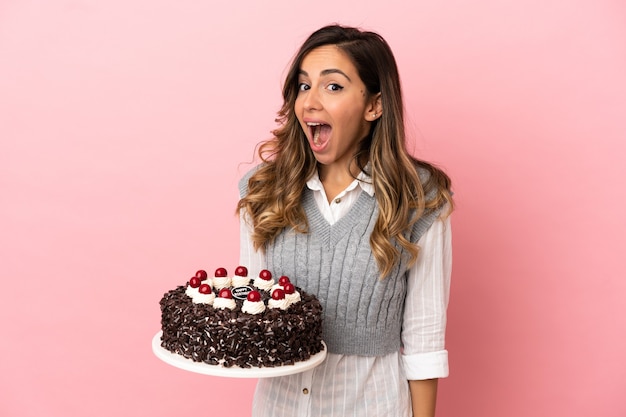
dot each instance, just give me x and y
(424, 354)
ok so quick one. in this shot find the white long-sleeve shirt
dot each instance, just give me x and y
(365, 386)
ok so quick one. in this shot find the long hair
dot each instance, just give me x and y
(273, 201)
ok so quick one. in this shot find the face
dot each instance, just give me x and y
(333, 106)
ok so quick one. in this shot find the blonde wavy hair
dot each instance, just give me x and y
(273, 200)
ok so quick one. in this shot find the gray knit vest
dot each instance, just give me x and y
(362, 313)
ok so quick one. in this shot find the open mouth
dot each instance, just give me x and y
(318, 132)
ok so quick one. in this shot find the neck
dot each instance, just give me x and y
(336, 178)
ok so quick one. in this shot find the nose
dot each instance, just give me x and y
(312, 100)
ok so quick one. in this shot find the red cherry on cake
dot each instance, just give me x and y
(254, 296)
(194, 282)
(265, 274)
(283, 280)
(221, 272)
(225, 293)
(205, 289)
(241, 271)
(202, 274)
(289, 288)
(278, 294)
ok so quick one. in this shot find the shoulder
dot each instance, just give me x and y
(245, 179)
(424, 171)
(433, 179)
(435, 185)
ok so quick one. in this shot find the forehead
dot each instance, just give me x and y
(327, 57)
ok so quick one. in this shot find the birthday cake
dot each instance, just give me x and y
(240, 321)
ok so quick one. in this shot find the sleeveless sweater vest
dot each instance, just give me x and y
(362, 313)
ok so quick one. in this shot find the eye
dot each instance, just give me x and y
(303, 87)
(334, 87)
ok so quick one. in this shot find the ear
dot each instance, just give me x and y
(374, 108)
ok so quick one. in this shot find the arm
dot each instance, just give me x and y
(425, 358)
(424, 397)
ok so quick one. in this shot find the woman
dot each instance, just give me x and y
(339, 205)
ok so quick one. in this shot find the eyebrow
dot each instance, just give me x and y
(327, 72)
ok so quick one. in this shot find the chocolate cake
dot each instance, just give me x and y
(241, 322)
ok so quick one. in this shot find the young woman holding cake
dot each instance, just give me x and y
(340, 206)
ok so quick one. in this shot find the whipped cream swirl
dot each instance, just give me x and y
(221, 282)
(191, 291)
(200, 298)
(239, 281)
(276, 286)
(282, 304)
(223, 303)
(253, 307)
(293, 298)
(264, 284)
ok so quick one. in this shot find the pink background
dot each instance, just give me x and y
(124, 126)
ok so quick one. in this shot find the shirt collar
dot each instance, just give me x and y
(363, 180)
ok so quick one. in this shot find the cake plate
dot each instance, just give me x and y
(234, 371)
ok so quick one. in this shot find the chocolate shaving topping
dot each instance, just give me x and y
(232, 338)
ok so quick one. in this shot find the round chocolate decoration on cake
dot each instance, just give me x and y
(241, 293)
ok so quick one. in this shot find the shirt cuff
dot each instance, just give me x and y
(426, 365)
